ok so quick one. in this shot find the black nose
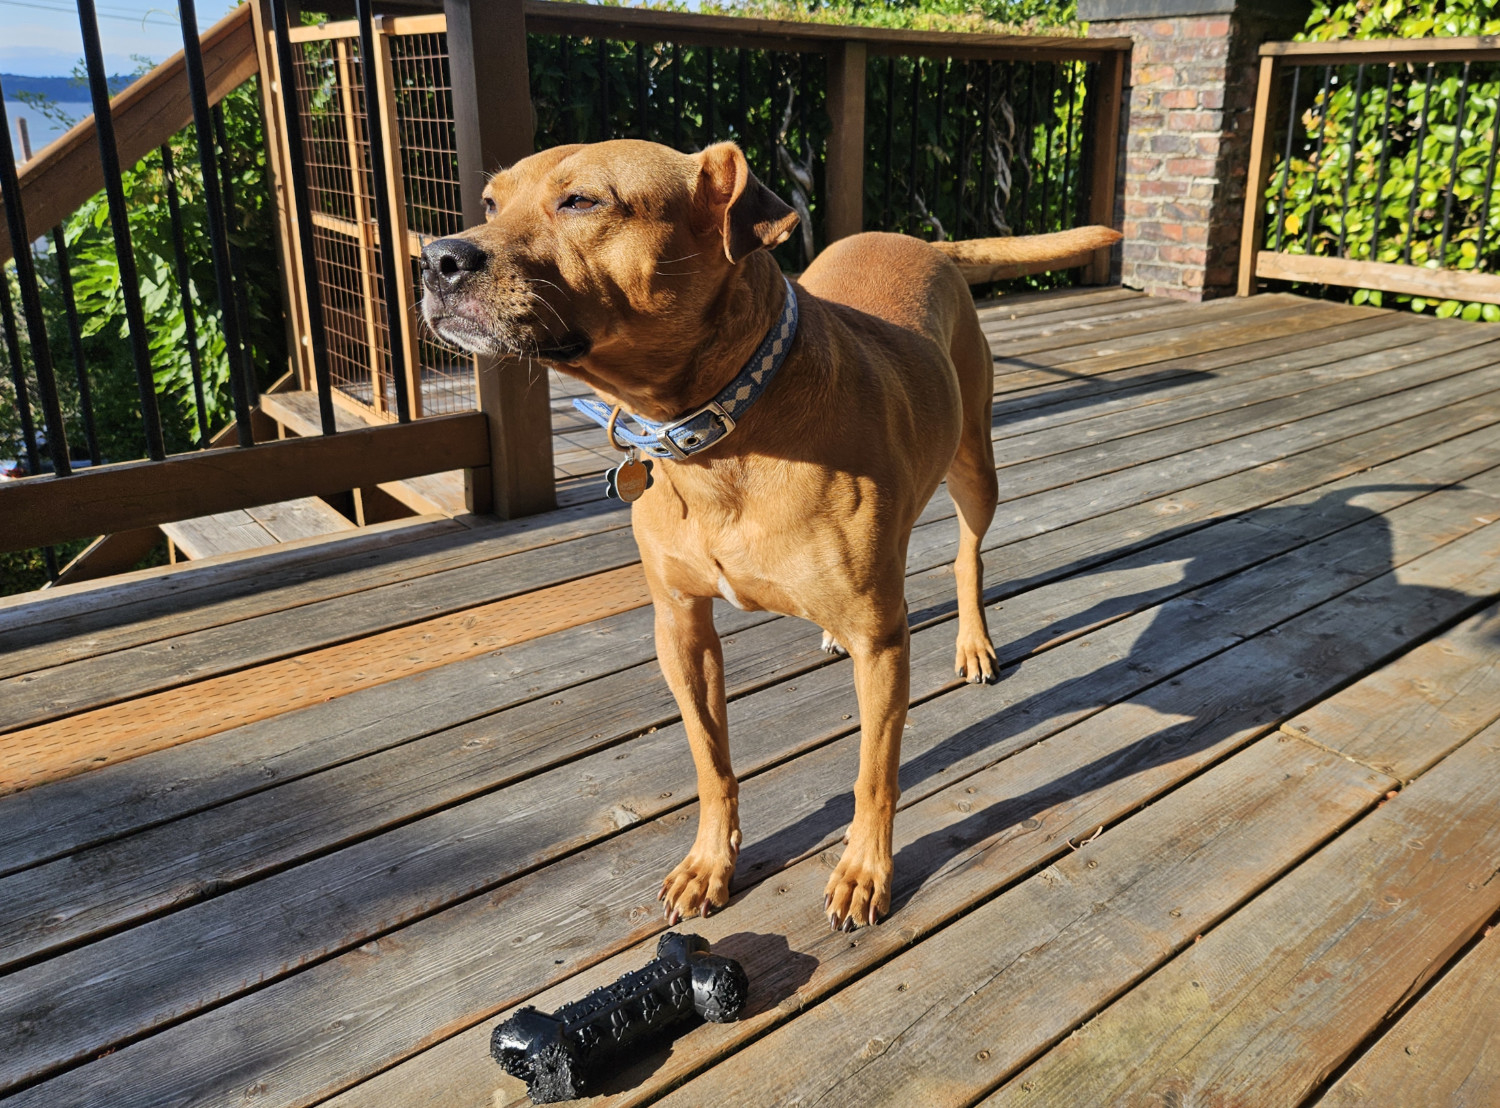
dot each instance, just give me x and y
(447, 262)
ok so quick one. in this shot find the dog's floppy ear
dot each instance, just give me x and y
(749, 215)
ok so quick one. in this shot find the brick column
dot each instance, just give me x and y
(1189, 107)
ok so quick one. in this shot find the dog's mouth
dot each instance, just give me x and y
(467, 333)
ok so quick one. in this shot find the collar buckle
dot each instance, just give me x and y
(695, 440)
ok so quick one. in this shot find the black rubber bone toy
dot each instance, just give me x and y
(557, 1055)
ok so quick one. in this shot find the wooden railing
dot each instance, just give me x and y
(1372, 166)
(475, 58)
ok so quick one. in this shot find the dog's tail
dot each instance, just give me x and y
(983, 260)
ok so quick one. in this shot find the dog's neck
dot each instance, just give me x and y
(731, 328)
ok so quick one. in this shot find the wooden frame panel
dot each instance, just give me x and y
(1267, 99)
(1379, 51)
(41, 511)
(1440, 284)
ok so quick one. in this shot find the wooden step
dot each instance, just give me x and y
(253, 528)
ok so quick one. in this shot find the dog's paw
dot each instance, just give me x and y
(975, 660)
(859, 892)
(831, 645)
(700, 883)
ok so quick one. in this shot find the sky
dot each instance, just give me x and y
(40, 38)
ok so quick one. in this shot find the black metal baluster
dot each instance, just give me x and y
(710, 124)
(1086, 141)
(890, 138)
(1489, 187)
(937, 136)
(1416, 173)
(31, 302)
(773, 98)
(130, 284)
(18, 376)
(1286, 161)
(568, 130)
(70, 313)
(1047, 128)
(1317, 167)
(238, 279)
(291, 114)
(1359, 92)
(603, 52)
(385, 228)
(1385, 150)
(75, 341)
(642, 93)
(964, 130)
(1067, 181)
(218, 233)
(986, 140)
(1458, 129)
(1028, 149)
(185, 294)
(911, 177)
(742, 101)
(676, 97)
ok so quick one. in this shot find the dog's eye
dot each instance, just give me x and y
(576, 203)
(489, 206)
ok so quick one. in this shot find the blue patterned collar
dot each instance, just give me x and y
(697, 431)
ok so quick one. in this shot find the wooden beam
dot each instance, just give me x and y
(845, 166)
(548, 17)
(1380, 51)
(1436, 284)
(488, 66)
(1253, 230)
(42, 511)
(153, 109)
(1105, 158)
(108, 555)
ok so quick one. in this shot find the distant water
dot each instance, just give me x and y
(42, 130)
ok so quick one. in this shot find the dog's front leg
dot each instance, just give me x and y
(860, 889)
(693, 661)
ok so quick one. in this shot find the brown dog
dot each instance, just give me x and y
(642, 272)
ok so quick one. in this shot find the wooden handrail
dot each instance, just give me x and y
(553, 17)
(1380, 51)
(151, 110)
(42, 511)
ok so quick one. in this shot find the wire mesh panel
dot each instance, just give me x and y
(337, 151)
(429, 164)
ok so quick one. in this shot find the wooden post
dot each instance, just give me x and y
(1106, 154)
(294, 302)
(385, 84)
(845, 171)
(493, 127)
(363, 228)
(1259, 173)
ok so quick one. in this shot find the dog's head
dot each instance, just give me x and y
(588, 249)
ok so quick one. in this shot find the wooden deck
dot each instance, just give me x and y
(299, 827)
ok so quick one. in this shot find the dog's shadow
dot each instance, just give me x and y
(1142, 676)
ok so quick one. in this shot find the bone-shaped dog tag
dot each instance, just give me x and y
(628, 480)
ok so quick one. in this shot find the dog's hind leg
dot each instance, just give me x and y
(692, 659)
(974, 489)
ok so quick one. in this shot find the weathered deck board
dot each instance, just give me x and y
(253, 761)
(147, 873)
(1274, 999)
(971, 743)
(1441, 1054)
(1221, 523)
